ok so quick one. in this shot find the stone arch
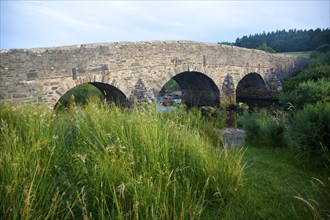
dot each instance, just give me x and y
(174, 70)
(252, 86)
(197, 88)
(105, 84)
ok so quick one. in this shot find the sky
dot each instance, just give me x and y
(41, 23)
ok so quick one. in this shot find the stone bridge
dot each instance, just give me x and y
(208, 74)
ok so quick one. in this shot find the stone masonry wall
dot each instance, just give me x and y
(136, 68)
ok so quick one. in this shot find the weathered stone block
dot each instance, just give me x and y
(32, 74)
(232, 138)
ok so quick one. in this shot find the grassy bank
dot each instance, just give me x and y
(279, 187)
(96, 163)
(119, 164)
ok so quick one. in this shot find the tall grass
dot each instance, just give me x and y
(93, 162)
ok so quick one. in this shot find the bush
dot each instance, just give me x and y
(308, 74)
(320, 59)
(320, 56)
(263, 130)
(309, 131)
(318, 68)
(321, 49)
(309, 92)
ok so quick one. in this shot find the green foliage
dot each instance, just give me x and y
(287, 41)
(309, 130)
(312, 84)
(227, 43)
(263, 130)
(311, 74)
(321, 49)
(306, 129)
(264, 47)
(310, 92)
(319, 59)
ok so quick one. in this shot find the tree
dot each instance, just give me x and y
(287, 41)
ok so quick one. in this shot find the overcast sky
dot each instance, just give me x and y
(28, 24)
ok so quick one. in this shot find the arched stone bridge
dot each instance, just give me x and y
(206, 73)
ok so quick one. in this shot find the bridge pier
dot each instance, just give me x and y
(228, 92)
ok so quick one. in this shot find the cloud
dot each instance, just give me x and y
(50, 23)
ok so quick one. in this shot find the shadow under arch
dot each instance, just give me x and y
(111, 93)
(252, 89)
(84, 91)
(197, 89)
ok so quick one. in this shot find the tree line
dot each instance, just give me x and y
(286, 41)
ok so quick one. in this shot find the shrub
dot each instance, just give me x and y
(320, 56)
(262, 129)
(309, 131)
(318, 68)
(322, 59)
(321, 49)
(309, 92)
(308, 74)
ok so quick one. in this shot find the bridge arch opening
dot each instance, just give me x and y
(81, 93)
(194, 89)
(252, 90)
